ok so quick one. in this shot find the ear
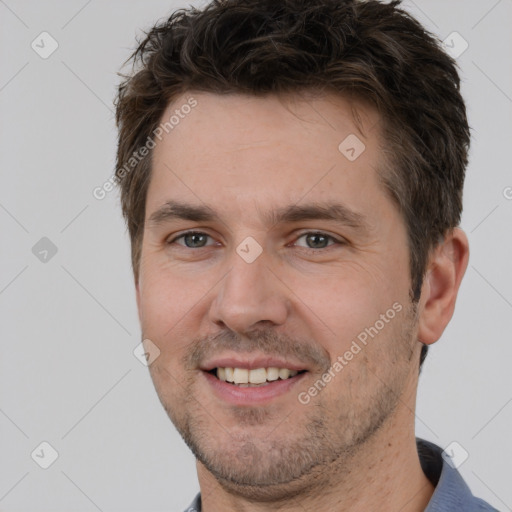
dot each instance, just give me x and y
(445, 270)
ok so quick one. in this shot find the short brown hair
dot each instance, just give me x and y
(365, 49)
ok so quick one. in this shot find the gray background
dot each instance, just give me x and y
(69, 324)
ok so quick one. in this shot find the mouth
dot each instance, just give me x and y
(257, 377)
(252, 380)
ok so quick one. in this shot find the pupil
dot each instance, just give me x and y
(195, 240)
(315, 245)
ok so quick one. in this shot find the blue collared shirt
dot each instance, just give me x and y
(451, 493)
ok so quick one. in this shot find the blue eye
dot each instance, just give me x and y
(192, 239)
(314, 240)
(317, 240)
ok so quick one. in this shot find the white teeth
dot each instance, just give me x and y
(229, 374)
(240, 375)
(258, 376)
(272, 373)
(284, 373)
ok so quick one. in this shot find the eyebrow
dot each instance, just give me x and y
(173, 210)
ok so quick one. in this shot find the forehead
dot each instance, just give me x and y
(271, 117)
(238, 151)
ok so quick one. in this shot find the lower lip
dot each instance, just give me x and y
(251, 395)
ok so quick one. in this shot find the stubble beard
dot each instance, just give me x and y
(301, 453)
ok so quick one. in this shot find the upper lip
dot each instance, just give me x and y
(251, 363)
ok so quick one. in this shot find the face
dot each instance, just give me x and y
(273, 257)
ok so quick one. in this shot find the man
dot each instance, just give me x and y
(291, 174)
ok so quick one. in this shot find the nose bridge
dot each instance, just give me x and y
(249, 293)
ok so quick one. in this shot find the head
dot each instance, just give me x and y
(341, 117)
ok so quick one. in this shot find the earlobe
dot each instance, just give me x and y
(446, 268)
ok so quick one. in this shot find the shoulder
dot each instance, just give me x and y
(451, 491)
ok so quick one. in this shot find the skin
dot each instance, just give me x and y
(352, 447)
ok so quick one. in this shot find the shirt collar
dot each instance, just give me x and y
(451, 492)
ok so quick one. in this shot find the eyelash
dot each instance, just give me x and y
(308, 249)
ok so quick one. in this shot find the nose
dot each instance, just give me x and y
(250, 296)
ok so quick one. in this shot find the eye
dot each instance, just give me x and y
(192, 239)
(317, 240)
(314, 240)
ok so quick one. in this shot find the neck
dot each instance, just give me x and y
(384, 474)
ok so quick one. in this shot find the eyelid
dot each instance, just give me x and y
(183, 234)
(336, 240)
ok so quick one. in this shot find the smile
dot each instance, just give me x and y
(244, 377)
(250, 387)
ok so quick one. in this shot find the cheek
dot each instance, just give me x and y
(342, 306)
(167, 301)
